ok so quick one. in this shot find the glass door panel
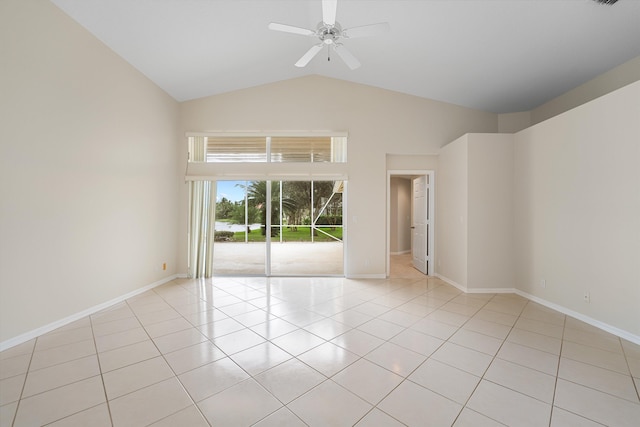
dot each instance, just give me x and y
(308, 220)
(240, 241)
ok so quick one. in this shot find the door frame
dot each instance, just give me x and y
(430, 208)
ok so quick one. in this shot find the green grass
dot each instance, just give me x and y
(303, 234)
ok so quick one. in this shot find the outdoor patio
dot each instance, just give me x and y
(287, 259)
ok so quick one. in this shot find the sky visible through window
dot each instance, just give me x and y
(230, 190)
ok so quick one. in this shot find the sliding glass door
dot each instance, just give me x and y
(280, 228)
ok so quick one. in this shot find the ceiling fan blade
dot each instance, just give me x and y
(291, 29)
(366, 30)
(329, 9)
(346, 56)
(302, 62)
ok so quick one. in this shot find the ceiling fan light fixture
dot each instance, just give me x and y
(330, 33)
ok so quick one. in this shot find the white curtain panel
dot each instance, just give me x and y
(202, 208)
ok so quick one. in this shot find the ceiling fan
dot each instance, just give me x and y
(330, 32)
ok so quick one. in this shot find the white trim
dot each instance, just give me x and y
(77, 316)
(492, 291)
(586, 319)
(201, 171)
(452, 283)
(261, 133)
(345, 229)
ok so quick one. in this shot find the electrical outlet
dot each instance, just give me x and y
(586, 297)
(543, 283)
(164, 265)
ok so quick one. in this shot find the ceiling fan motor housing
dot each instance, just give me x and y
(329, 34)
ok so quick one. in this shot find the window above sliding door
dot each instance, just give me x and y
(265, 149)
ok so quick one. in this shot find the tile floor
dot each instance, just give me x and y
(321, 352)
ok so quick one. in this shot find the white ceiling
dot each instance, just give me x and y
(495, 55)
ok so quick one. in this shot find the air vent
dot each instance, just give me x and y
(606, 1)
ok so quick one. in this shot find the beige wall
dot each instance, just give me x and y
(514, 122)
(378, 122)
(88, 171)
(490, 212)
(577, 209)
(452, 207)
(474, 221)
(613, 79)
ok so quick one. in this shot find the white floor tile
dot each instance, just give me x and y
(238, 341)
(357, 342)
(377, 418)
(416, 406)
(298, 342)
(328, 358)
(508, 407)
(97, 416)
(59, 403)
(450, 382)
(368, 380)
(283, 417)
(241, 405)
(598, 378)
(527, 381)
(471, 418)
(289, 380)
(396, 359)
(149, 404)
(460, 357)
(596, 405)
(329, 405)
(260, 358)
(200, 384)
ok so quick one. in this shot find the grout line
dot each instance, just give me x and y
(26, 375)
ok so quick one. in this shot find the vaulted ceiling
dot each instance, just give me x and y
(495, 55)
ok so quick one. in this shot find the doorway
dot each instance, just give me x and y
(410, 223)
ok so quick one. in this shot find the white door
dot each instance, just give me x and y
(420, 227)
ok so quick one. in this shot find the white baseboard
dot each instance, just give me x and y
(492, 291)
(77, 316)
(476, 290)
(591, 321)
(452, 282)
(586, 319)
